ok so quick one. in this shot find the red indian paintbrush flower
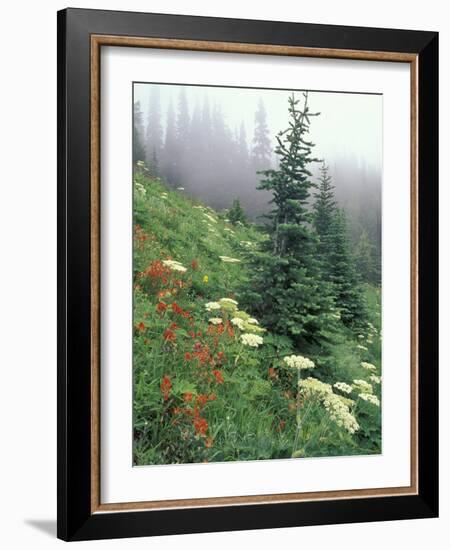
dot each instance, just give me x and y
(218, 376)
(177, 309)
(141, 327)
(166, 386)
(187, 397)
(169, 335)
(200, 426)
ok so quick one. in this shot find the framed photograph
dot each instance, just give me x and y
(247, 274)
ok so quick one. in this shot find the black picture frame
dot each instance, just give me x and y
(75, 518)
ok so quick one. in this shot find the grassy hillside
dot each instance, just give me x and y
(210, 383)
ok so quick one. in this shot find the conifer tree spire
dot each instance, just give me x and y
(287, 290)
(261, 147)
(337, 263)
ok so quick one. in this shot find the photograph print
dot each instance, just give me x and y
(256, 274)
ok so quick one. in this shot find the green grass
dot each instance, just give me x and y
(200, 393)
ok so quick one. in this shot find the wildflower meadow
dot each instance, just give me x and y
(252, 339)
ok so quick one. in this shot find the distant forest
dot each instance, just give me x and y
(196, 150)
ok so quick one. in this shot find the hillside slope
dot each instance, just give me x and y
(211, 384)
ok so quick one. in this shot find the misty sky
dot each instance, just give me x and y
(349, 127)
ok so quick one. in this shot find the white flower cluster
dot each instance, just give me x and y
(229, 260)
(210, 218)
(174, 266)
(343, 387)
(227, 304)
(336, 405)
(340, 413)
(311, 387)
(368, 366)
(375, 379)
(228, 301)
(140, 188)
(239, 319)
(362, 386)
(215, 320)
(211, 306)
(239, 323)
(370, 398)
(252, 340)
(298, 362)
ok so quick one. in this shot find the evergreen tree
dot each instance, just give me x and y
(206, 129)
(222, 147)
(236, 213)
(154, 131)
(182, 151)
(340, 265)
(364, 255)
(325, 204)
(183, 120)
(170, 166)
(138, 132)
(287, 291)
(196, 150)
(242, 146)
(323, 213)
(261, 147)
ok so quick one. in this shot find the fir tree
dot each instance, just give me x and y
(154, 131)
(323, 213)
(340, 266)
(337, 264)
(236, 213)
(222, 146)
(261, 147)
(138, 132)
(325, 204)
(183, 121)
(242, 146)
(364, 255)
(170, 167)
(287, 290)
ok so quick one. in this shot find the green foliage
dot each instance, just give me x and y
(138, 130)
(261, 147)
(365, 259)
(346, 283)
(236, 213)
(287, 290)
(214, 382)
(337, 264)
(323, 215)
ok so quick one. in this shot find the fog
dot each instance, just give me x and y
(201, 138)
